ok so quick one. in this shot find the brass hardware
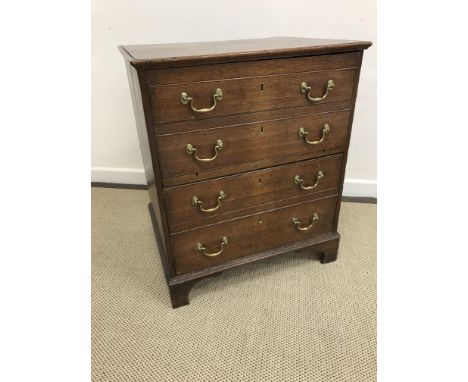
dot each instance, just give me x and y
(185, 99)
(306, 90)
(300, 182)
(201, 248)
(312, 221)
(199, 203)
(304, 134)
(192, 150)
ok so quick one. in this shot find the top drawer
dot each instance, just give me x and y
(250, 87)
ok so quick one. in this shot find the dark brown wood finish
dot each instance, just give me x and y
(247, 118)
(247, 95)
(258, 208)
(146, 136)
(182, 75)
(196, 53)
(252, 234)
(251, 143)
(350, 125)
(326, 245)
(258, 116)
(180, 292)
(250, 189)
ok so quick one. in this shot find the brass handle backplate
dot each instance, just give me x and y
(300, 182)
(190, 150)
(305, 88)
(186, 99)
(304, 134)
(312, 221)
(199, 203)
(201, 248)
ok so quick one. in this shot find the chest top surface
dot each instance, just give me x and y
(235, 50)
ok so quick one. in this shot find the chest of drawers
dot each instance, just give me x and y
(244, 145)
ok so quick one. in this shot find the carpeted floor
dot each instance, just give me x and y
(289, 318)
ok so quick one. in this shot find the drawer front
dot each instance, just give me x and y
(247, 95)
(249, 143)
(201, 201)
(212, 245)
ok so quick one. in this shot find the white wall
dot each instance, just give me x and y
(115, 150)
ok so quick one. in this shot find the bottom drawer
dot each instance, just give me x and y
(215, 244)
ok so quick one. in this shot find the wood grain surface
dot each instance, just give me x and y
(250, 143)
(248, 95)
(198, 73)
(251, 234)
(163, 55)
(249, 189)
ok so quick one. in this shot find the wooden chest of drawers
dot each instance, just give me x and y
(244, 145)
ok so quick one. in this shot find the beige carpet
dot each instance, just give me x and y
(288, 318)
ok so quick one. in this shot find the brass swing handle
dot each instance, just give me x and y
(199, 203)
(306, 90)
(192, 150)
(300, 182)
(304, 134)
(312, 221)
(186, 99)
(201, 248)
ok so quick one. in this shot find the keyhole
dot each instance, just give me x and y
(261, 88)
(261, 129)
(260, 181)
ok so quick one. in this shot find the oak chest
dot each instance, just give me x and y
(244, 145)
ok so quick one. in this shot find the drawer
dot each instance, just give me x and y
(202, 201)
(216, 244)
(178, 102)
(266, 141)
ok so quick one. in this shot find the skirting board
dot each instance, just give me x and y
(360, 187)
(118, 175)
(352, 187)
